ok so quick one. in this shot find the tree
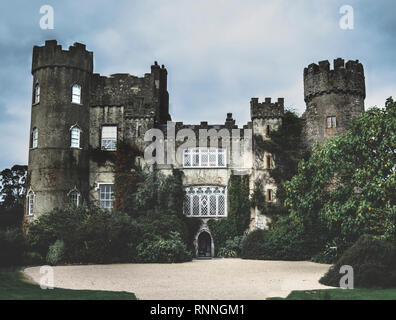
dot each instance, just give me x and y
(12, 187)
(12, 193)
(349, 183)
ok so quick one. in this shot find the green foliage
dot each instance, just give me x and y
(286, 145)
(373, 262)
(12, 245)
(238, 218)
(12, 186)
(32, 258)
(158, 249)
(349, 183)
(127, 175)
(56, 253)
(12, 193)
(232, 247)
(160, 193)
(227, 253)
(331, 251)
(288, 240)
(89, 234)
(253, 244)
(14, 286)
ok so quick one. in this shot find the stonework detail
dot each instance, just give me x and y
(134, 105)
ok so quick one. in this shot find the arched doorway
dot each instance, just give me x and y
(204, 244)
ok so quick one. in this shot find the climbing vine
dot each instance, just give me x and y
(127, 175)
(238, 219)
(287, 147)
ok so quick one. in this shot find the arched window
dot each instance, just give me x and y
(74, 196)
(76, 94)
(75, 134)
(30, 203)
(34, 138)
(36, 98)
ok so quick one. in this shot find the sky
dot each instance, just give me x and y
(219, 53)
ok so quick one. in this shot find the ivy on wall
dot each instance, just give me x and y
(287, 147)
(238, 219)
(127, 175)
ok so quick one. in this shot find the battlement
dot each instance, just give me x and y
(52, 55)
(345, 78)
(267, 109)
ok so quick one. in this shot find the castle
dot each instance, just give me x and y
(75, 110)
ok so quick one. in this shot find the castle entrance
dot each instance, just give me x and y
(204, 245)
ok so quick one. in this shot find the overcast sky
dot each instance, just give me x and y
(219, 53)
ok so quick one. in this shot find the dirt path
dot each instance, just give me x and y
(200, 279)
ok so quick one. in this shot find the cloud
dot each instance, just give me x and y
(218, 53)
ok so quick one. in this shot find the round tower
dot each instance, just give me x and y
(59, 139)
(333, 98)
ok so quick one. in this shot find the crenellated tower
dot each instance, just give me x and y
(266, 116)
(333, 98)
(58, 158)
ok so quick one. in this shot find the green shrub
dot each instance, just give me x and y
(332, 251)
(253, 244)
(162, 250)
(373, 262)
(227, 253)
(89, 234)
(56, 253)
(31, 258)
(12, 246)
(232, 248)
(288, 240)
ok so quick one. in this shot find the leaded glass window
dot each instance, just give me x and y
(204, 158)
(205, 201)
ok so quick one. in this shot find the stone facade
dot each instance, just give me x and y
(338, 93)
(132, 105)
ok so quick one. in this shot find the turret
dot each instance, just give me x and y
(333, 98)
(266, 109)
(58, 154)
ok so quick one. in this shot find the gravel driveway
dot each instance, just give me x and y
(200, 279)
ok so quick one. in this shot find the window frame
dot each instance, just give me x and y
(195, 157)
(79, 95)
(102, 138)
(204, 200)
(270, 195)
(75, 127)
(30, 203)
(112, 199)
(34, 138)
(74, 191)
(36, 93)
(268, 161)
(333, 122)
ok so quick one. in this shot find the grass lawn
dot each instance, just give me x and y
(15, 286)
(342, 294)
